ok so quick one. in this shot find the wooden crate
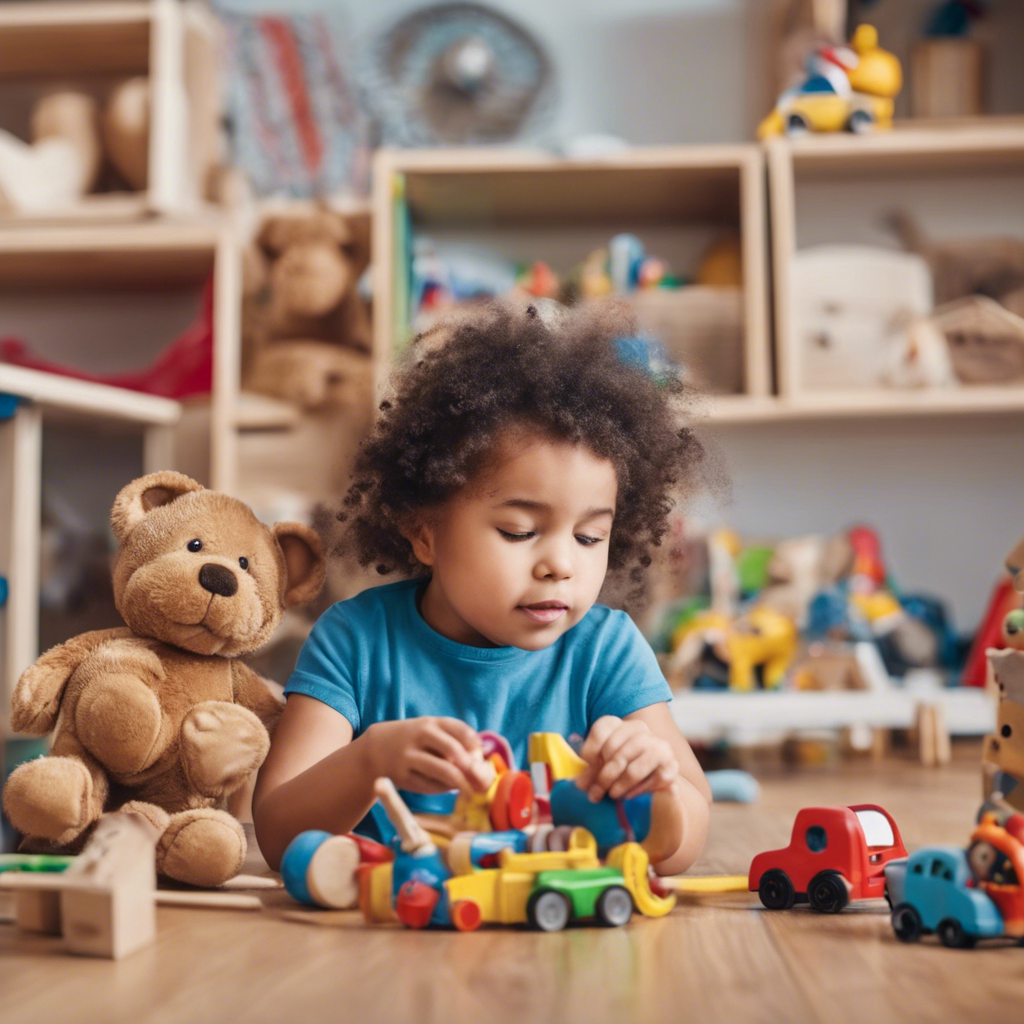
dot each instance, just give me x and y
(91, 46)
(492, 193)
(913, 151)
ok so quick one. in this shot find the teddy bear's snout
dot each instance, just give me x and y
(218, 580)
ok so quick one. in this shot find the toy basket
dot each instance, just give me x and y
(701, 329)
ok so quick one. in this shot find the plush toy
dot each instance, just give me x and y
(70, 141)
(162, 718)
(62, 161)
(306, 328)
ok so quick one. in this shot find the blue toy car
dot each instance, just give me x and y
(932, 891)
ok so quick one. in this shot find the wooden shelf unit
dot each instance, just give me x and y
(91, 44)
(912, 150)
(494, 190)
(154, 254)
(46, 396)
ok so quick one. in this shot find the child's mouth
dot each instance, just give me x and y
(544, 611)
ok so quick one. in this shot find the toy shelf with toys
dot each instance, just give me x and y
(452, 224)
(108, 109)
(937, 341)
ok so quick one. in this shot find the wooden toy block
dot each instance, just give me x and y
(104, 904)
(38, 911)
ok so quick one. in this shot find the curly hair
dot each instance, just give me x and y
(564, 375)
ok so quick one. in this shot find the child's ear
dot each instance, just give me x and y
(420, 534)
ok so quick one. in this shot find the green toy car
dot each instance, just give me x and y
(559, 897)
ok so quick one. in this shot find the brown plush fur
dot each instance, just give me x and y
(302, 301)
(160, 717)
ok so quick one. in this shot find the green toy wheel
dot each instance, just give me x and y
(614, 906)
(548, 910)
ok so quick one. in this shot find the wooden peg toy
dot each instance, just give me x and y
(104, 903)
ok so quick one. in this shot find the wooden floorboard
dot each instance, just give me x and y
(716, 958)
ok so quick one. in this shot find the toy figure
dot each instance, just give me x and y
(843, 88)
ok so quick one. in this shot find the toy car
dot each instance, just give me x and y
(830, 859)
(559, 897)
(932, 891)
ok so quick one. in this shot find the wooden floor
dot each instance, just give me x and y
(713, 959)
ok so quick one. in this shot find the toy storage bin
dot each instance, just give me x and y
(701, 329)
(90, 47)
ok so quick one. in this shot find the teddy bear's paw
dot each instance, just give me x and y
(201, 847)
(221, 746)
(118, 720)
(156, 816)
(50, 797)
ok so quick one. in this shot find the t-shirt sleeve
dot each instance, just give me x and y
(328, 665)
(627, 676)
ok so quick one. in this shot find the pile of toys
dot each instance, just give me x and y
(839, 854)
(441, 281)
(808, 612)
(532, 848)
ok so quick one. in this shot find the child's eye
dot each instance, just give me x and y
(508, 535)
(588, 541)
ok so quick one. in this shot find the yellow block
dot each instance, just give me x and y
(554, 751)
(552, 860)
(710, 883)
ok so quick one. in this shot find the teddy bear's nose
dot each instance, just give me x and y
(218, 580)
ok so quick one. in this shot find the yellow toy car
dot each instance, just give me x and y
(845, 89)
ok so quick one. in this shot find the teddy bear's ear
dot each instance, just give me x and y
(304, 562)
(141, 496)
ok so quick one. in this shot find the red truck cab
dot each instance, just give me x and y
(836, 854)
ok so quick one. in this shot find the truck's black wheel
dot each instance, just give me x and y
(776, 890)
(827, 892)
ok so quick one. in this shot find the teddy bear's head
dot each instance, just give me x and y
(315, 260)
(198, 570)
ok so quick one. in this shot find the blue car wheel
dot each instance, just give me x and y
(906, 923)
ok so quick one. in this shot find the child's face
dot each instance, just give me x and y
(519, 555)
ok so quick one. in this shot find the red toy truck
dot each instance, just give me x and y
(836, 854)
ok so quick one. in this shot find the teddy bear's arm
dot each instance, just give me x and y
(252, 691)
(35, 702)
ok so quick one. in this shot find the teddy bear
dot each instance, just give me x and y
(305, 327)
(161, 717)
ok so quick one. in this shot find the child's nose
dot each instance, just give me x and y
(554, 564)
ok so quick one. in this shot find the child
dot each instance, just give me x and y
(517, 463)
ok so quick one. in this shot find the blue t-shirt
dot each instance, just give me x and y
(373, 659)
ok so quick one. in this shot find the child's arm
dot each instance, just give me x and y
(643, 752)
(317, 776)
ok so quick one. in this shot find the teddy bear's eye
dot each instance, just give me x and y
(244, 562)
(195, 545)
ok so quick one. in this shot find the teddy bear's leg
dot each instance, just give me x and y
(201, 847)
(56, 797)
(117, 715)
(221, 746)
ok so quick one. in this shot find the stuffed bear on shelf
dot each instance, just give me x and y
(305, 327)
(161, 717)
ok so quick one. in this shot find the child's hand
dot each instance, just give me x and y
(427, 755)
(625, 759)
